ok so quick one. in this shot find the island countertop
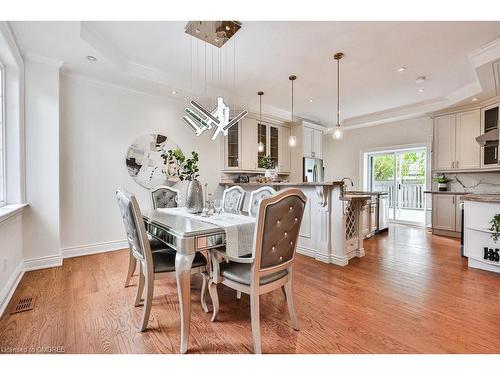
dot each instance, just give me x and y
(488, 198)
(329, 183)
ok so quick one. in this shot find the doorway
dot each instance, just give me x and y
(402, 174)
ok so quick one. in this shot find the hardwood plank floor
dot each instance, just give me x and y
(411, 293)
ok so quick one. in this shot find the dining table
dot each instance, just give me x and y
(188, 233)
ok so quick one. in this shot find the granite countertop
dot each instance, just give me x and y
(357, 192)
(355, 197)
(329, 183)
(488, 198)
(445, 192)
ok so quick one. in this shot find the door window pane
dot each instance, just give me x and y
(261, 143)
(274, 134)
(233, 146)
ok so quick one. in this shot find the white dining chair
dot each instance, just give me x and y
(233, 198)
(271, 264)
(256, 196)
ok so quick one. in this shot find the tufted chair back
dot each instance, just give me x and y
(164, 197)
(134, 224)
(278, 226)
(257, 196)
(233, 198)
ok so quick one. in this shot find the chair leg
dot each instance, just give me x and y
(238, 294)
(140, 287)
(204, 291)
(212, 288)
(148, 301)
(255, 317)
(289, 300)
(132, 262)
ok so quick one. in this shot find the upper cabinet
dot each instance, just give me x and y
(489, 123)
(313, 142)
(242, 151)
(455, 146)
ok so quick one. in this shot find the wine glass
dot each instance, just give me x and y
(217, 206)
(178, 200)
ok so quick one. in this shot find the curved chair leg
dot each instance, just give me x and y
(238, 294)
(204, 291)
(289, 301)
(148, 301)
(140, 287)
(255, 317)
(132, 263)
(212, 288)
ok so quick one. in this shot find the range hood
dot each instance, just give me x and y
(489, 136)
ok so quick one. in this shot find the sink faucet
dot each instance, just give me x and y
(344, 185)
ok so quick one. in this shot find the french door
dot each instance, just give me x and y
(401, 174)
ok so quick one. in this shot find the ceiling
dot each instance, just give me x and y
(159, 57)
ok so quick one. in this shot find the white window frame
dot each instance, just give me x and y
(3, 181)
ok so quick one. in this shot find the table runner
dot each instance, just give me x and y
(239, 229)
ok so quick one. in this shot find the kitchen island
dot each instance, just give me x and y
(480, 248)
(331, 226)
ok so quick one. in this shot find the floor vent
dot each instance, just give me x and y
(24, 304)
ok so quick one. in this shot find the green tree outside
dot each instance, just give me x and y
(412, 166)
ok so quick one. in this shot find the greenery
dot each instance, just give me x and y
(495, 227)
(441, 179)
(187, 168)
(267, 162)
(412, 164)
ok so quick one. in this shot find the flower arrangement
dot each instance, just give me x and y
(184, 168)
(267, 162)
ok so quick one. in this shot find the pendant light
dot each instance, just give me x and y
(260, 145)
(338, 132)
(292, 140)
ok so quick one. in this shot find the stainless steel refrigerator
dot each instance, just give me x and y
(312, 170)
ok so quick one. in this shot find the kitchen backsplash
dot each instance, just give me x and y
(483, 182)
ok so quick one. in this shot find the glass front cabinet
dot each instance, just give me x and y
(248, 142)
(489, 123)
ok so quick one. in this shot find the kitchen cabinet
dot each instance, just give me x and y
(444, 142)
(241, 151)
(373, 217)
(444, 212)
(489, 122)
(312, 142)
(467, 150)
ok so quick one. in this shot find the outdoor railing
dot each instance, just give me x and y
(411, 193)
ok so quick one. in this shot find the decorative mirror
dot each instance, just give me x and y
(146, 160)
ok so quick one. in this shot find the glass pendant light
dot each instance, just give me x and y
(338, 132)
(292, 140)
(260, 145)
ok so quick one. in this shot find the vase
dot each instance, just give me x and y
(268, 173)
(442, 186)
(194, 197)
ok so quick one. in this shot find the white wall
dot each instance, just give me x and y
(41, 217)
(98, 123)
(342, 158)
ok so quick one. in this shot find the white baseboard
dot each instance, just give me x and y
(102, 247)
(43, 262)
(10, 287)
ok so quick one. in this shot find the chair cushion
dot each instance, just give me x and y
(157, 245)
(241, 273)
(165, 261)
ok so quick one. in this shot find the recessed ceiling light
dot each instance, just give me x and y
(91, 58)
(402, 69)
(420, 79)
(475, 99)
(421, 90)
(174, 92)
(310, 100)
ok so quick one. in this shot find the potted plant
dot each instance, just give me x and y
(268, 164)
(442, 182)
(187, 169)
(495, 227)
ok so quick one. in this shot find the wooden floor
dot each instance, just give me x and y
(411, 293)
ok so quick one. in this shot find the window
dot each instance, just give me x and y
(3, 196)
